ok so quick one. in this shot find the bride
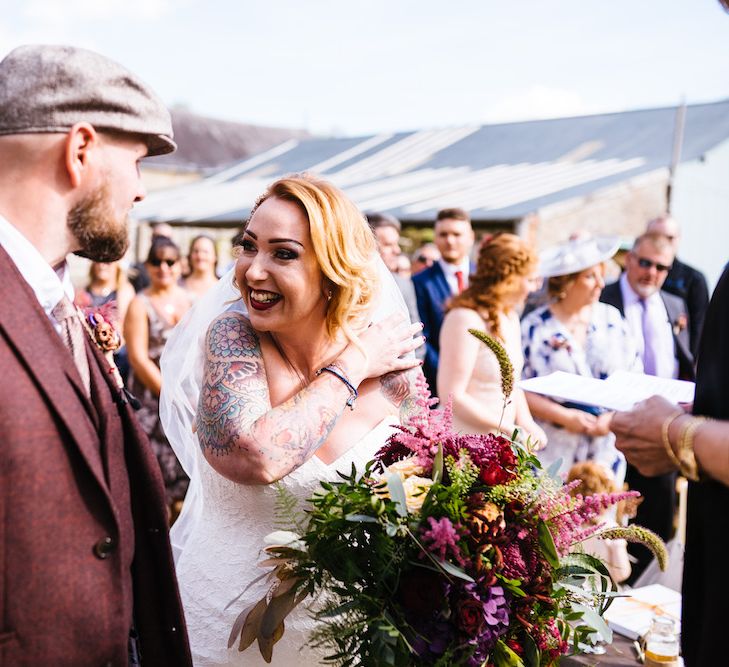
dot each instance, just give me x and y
(302, 372)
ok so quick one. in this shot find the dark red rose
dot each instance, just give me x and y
(470, 615)
(499, 470)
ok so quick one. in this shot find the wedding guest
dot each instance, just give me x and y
(659, 437)
(427, 255)
(203, 261)
(138, 275)
(575, 333)
(683, 280)
(468, 371)
(595, 479)
(387, 229)
(152, 315)
(446, 277)
(108, 287)
(658, 323)
(87, 571)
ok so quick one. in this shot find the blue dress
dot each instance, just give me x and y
(548, 347)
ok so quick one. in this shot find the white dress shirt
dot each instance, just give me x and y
(49, 287)
(449, 271)
(665, 347)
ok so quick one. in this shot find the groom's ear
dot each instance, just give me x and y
(81, 143)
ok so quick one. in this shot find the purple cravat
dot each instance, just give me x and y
(649, 340)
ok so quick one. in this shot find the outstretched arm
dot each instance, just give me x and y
(247, 440)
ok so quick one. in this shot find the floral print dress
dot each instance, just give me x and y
(548, 347)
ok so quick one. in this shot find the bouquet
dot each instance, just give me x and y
(449, 549)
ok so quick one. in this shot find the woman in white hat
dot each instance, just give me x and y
(576, 333)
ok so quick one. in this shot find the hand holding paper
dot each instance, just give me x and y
(621, 391)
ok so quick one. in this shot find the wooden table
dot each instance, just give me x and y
(619, 654)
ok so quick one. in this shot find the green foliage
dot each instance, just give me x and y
(287, 514)
(462, 472)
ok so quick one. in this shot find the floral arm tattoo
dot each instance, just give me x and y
(400, 389)
(235, 415)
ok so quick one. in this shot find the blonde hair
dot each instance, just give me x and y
(344, 246)
(502, 260)
(120, 278)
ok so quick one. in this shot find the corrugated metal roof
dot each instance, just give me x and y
(495, 171)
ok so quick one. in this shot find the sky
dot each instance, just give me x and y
(351, 67)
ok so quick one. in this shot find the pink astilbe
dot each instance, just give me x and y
(574, 525)
(421, 435)
(558, 502)
(441, 539)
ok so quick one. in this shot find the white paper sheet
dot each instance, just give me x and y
(621, 391)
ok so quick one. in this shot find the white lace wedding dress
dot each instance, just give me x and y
(221, 555)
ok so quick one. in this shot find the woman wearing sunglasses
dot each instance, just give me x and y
(576, 333)
(151, 316)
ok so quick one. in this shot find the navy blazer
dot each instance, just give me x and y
(677, 311)
(432, 292)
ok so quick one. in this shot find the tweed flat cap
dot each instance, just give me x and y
(51, 88)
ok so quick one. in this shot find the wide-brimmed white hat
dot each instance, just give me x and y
(577, 255)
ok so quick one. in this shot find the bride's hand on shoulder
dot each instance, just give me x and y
(383, 346)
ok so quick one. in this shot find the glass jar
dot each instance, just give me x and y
(661, 643)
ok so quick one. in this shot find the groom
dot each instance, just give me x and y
(86, 571)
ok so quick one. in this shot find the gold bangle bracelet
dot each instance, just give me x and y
(666, 440)
(689, 468)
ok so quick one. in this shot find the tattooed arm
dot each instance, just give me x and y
(247, 440)
(240, 434)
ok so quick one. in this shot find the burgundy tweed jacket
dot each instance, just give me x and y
(83, 528)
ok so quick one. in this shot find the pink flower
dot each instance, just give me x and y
(442, 539)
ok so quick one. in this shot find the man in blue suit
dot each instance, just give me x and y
(448, 276)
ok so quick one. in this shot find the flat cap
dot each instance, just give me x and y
(47, 88)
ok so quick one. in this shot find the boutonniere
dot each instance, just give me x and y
(98, 324)
(680, 324)
(559, 341)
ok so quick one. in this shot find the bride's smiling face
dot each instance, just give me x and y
(277, 271)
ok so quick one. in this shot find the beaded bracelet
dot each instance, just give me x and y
(666, 440)
(336, 371)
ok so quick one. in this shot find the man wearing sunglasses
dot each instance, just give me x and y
(684, 280)
(659, 323)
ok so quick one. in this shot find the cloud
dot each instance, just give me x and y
(539, 102)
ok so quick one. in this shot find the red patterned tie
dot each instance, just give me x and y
(72, 333)
(461, 284)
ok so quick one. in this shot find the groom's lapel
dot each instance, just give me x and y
(39, 348)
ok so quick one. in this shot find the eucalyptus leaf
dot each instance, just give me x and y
(397, 493)
(532, 654)
(591, 617)
(546, 542)
(454, 570)
(553, 470)
(438, 465)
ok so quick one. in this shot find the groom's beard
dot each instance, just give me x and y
(102, 236)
